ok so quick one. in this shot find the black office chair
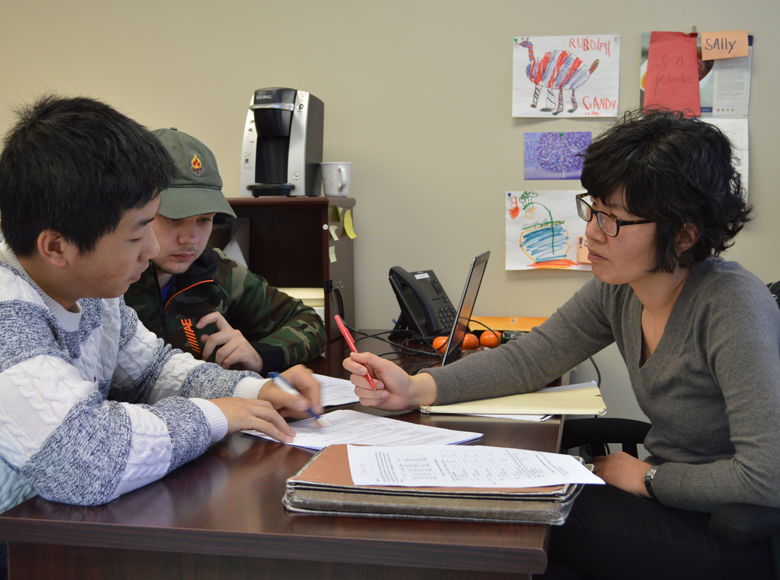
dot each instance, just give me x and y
(592, 436)
(735, 522)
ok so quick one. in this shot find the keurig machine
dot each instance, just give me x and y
(282, 147)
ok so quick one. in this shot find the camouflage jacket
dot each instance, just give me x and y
(282, 329)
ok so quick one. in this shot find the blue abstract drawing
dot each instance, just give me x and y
(555, 155)
(547, 242)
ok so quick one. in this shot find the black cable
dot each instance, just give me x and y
(485, 325)
(340, 301)
(414, 336)
(606, 449)
(598, 372)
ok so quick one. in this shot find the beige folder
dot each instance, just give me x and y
(581, 399)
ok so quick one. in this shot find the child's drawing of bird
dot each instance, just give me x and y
(556, 70)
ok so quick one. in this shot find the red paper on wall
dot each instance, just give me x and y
(672, 80)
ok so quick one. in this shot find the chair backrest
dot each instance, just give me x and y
(774, 288)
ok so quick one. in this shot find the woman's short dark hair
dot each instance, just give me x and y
(75, 165)
(674, 171)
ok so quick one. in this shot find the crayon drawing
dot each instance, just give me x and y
(575, 76)
(543, 231)
(555, 155)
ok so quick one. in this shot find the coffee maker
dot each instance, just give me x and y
(282, 148)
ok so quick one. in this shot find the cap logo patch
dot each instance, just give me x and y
(196, 165)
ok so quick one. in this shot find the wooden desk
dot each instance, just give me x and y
(220, 516)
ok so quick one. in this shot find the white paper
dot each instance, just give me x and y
(731, 86)
(466, 466)
(335, 391)
(737, 132)
(233, 251)
(347, 426)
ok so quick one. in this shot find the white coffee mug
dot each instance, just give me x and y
(335, 177)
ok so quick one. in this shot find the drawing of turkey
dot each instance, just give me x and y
(556, 70)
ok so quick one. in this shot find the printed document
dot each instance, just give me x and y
(466, 466)
(336, 391)
(347, 426)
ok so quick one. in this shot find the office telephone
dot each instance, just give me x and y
(425, 307)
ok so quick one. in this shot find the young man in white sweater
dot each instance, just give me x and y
(92, 404)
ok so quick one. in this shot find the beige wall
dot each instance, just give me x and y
(417, 95)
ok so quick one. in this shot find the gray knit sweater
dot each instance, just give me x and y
(92, 404)
(711, 389)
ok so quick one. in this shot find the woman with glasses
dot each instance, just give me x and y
(700, 337)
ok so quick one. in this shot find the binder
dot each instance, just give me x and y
(581, 399)
(324, 486)
(516, 324)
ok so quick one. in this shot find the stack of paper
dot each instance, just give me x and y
(481, 483)
(348, 426)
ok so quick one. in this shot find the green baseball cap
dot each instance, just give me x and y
(196, 187)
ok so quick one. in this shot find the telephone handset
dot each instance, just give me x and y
(425, 307)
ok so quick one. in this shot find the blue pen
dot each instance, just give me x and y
(285, 385)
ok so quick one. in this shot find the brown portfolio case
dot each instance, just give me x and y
(324, 486)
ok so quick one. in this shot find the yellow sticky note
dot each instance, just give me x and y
(349, 227)
(332, 254)
(724, 44)
(333, 229)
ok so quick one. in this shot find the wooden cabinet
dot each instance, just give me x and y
(290, 245)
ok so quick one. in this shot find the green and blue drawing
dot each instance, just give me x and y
(536, 237)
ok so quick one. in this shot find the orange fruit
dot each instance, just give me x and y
(470, 342)
(440, 343)
(490, 338)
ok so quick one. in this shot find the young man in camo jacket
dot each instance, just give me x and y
(201, 301)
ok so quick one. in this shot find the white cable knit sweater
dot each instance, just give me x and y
(92, 404)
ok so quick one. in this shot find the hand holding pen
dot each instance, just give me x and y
(351, 342)
(287, 387)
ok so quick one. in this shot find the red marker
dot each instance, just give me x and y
(351, 342)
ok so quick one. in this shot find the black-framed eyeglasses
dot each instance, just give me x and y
(608, 223)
